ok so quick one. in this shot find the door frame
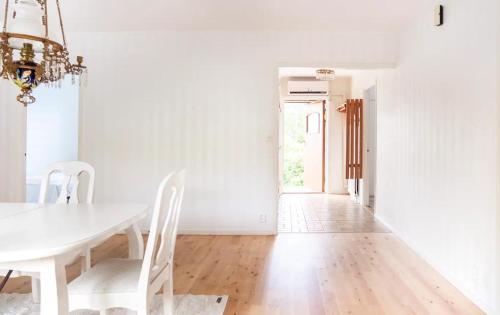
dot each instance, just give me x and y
(323, 153)
(282, 137)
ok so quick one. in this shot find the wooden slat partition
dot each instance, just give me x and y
(354, 139)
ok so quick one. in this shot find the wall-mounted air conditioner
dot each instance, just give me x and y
(308, 87)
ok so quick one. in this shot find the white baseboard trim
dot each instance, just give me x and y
(238, 233)
(485, 307)
(201, 232)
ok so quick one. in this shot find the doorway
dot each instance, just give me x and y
(51, 133)
(304, 147)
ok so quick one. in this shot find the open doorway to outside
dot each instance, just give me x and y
(304, 147)
(316, 194)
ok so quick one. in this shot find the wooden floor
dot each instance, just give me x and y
(313, 213)
(294, 273)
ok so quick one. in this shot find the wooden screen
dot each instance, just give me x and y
(354, 139)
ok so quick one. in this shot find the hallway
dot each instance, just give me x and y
(316, 213)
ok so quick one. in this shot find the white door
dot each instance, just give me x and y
(313, 153)
(302, 148)
(370, 147)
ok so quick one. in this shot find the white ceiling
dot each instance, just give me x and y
(126, 15)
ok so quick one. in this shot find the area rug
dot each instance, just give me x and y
(22, 304)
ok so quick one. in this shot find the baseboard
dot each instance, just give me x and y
(239, 233)
(209, 232)
(480, 303)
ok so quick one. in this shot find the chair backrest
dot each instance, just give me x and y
(70, 171)
(163, 232)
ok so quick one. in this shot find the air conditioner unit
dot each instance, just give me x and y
(308, 87)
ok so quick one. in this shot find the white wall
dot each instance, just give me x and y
(340, 91)
(12, 144)
(363, 80)
(437, 145)
(205, 101)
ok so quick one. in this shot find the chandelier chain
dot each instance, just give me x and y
(6, 15)
(61, 23)
(46, 17)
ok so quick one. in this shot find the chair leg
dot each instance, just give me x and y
(85, 264)
(143, 311)
(143, 305)
(168, 296)
(35, 289)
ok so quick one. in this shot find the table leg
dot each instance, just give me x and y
(135, 242)
(54, 295)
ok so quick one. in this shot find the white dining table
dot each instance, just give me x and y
(41, 237)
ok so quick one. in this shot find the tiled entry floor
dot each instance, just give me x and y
(325, 213)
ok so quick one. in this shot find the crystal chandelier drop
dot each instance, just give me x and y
(30, 53)
(325, 74)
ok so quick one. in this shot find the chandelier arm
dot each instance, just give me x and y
(55, 44)
(61, 23)
(5, 16)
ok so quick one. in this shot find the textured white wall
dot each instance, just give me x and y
(437, 145)
(205, 101)
(12, 144)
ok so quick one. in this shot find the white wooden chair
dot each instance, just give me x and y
(70, 171)
(132, 284)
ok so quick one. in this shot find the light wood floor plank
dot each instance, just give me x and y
(305, 273)
(358, 273)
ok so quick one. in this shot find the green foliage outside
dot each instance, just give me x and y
(294, 145)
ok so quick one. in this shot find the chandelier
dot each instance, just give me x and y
(30, 53)
(325, 74)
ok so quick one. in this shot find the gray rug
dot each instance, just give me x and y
(22, 304)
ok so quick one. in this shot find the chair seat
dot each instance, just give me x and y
(111, 276)
(115, 282)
